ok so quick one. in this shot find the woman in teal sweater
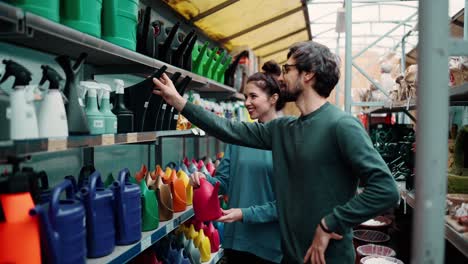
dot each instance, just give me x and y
(251, 233)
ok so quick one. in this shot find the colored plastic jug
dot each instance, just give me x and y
(220, 227)
(119, 21)
(184, 168)
(141, 174)
(205, 202)
(177, 58)
(164, 196)
(193, 252)
(82, 15)
(210, 167)
(217, 63)
(199, 57)
(219, 74)
(198, 225)
(192, 168)
(164, 46)
(203, 244)
(188, 188)
(213, 235)
(150, 214)
(173, 255)
(209, 63)
(200, 164)
(99, 206)
(45, 8)
(186, 161)
(18, 229)
(187, 57)
(142, 33)
(109, 180)
(127, 209)
(179, 196)
(191, 233)
(63, 228)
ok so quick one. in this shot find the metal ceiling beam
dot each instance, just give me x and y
(213, 10)
(367, 22)
(305, 10)
(264, 23)
(279, 38)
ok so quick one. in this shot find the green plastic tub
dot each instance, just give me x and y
(45, 8)
(119, 22)
(82, 15)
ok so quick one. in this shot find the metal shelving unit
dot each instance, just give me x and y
(35, 32)
(454, 237)
(30, 146)
(123, 254)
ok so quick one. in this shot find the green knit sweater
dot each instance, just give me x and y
(318, 160)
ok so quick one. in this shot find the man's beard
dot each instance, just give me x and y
(288, 95)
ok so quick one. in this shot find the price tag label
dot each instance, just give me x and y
(169, 226)
(56, 144)
(145, 243)
(108, 139)
(132, 137)
(202, 133)
(194, 131)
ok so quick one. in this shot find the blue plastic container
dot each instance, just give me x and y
(100, 229)
(62, 225)
(127, 209)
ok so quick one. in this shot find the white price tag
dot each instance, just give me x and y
(194, 131)
(145, 243)
(176, 117)
(202, 133)
(164, 107)
(169, 226)
(132, 137)
(108, 139)
(56, 144)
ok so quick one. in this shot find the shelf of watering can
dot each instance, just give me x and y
(393, 107)
(29, 146)
(123, 254)
(457, 239)
(33, 31)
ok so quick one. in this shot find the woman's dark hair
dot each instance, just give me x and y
(268, 81)
(313, 57)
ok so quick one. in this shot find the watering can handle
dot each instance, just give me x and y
(123, 178)
(65, 185)
(71, 192)
(43, 180)
(95, 181)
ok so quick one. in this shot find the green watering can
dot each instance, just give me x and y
(219, 74)
(199, 57)
(109, 180)
(212, 70)
(207, 64)
(149, 208)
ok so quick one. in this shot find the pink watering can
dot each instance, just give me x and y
(212, 233)
(205, 202)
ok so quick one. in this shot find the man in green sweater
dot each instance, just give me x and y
(318, 159)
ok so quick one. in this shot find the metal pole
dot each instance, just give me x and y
(465, 22)
(428, 244)
(337, 87)
(348, 54)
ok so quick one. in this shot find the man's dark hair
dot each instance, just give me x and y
(313, 57)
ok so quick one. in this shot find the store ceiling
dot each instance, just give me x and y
(268, 27)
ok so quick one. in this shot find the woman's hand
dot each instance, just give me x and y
(231, 215)
(166, 89)
(195, 179)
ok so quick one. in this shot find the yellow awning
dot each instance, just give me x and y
(266, 26)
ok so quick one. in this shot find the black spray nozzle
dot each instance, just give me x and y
(71, 69)
(51, 75)
(21, 74)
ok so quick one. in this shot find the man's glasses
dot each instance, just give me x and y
(286, 67)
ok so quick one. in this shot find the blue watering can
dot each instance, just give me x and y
(98, 203)
(62, 224)
(127, 209)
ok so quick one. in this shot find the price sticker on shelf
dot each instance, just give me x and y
(202, 133)
(132, 137)
(194, 131)
(145, 243)
(108, 139)
(56, 144)
(170, 226)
